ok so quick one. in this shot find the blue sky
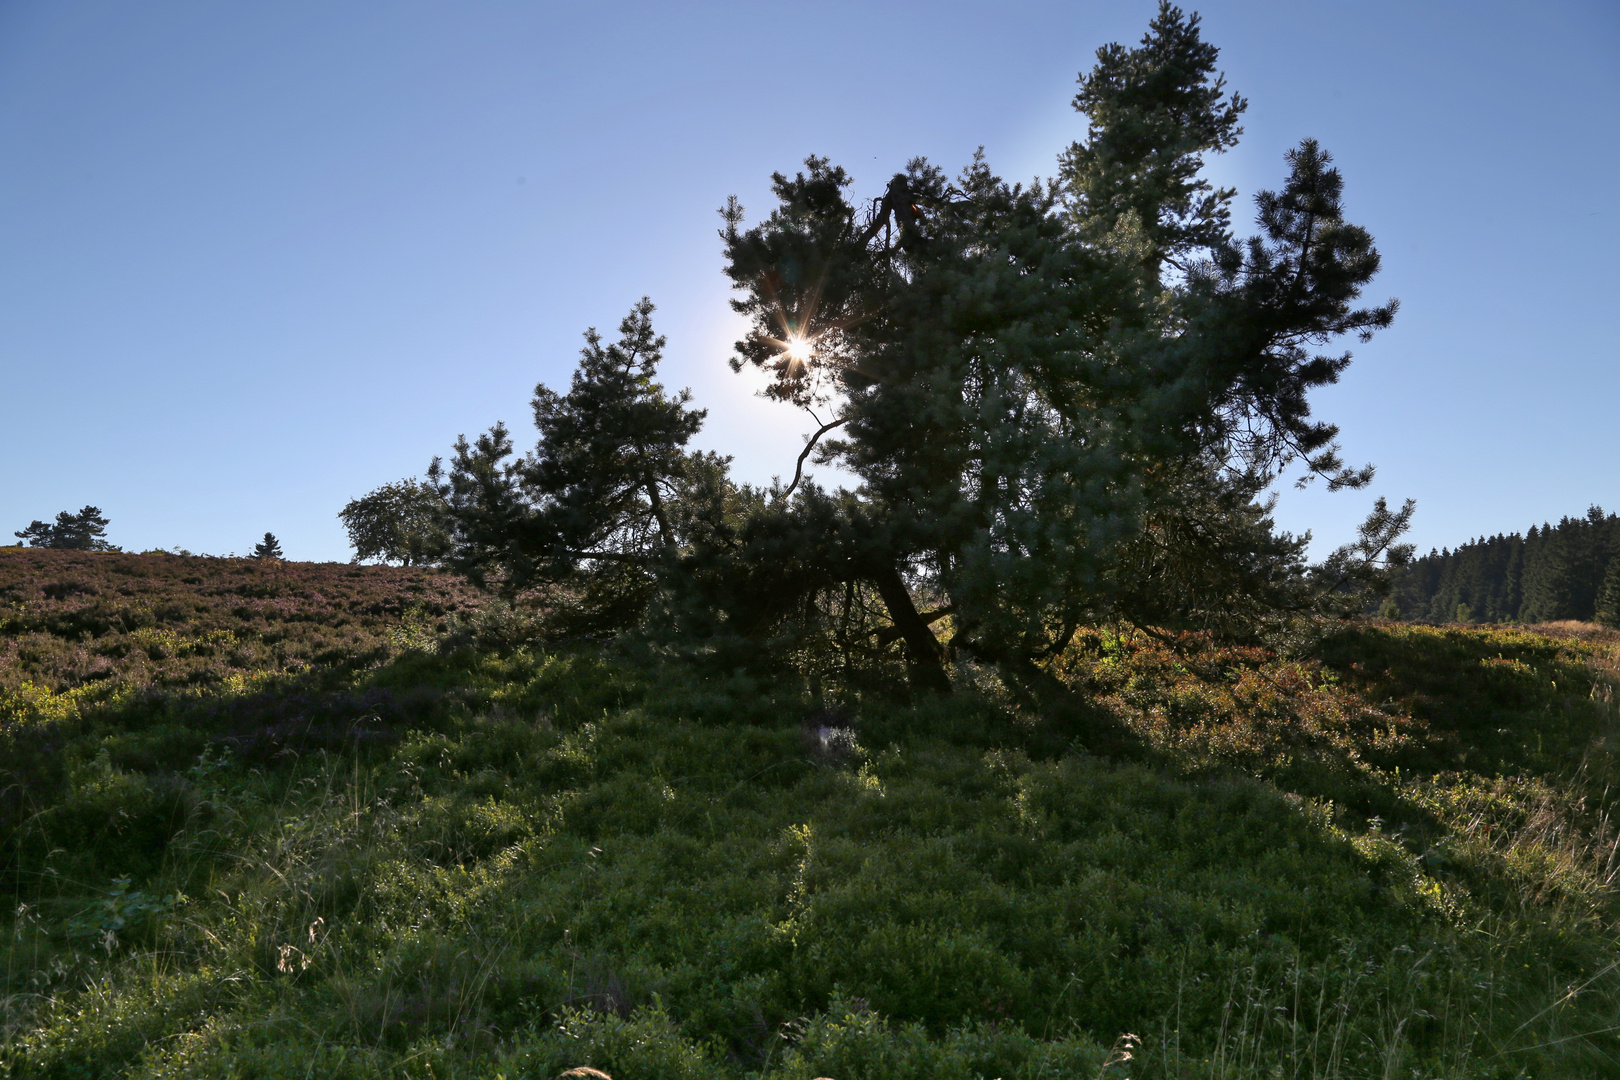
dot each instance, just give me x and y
(257, 259)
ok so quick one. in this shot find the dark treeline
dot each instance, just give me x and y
(1566, 571)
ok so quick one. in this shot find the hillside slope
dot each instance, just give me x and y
(73, 619)
(1394, 858)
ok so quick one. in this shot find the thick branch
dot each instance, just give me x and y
(665, 533)
(887, 634)
(922, 648)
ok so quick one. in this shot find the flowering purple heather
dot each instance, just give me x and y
(111, 621)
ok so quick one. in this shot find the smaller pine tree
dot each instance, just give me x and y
(1608, 601)
(268, 548)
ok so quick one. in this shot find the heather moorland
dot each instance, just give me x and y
(387, 832)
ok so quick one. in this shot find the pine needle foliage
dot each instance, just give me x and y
(268, 548)
(599, 504)
(84, 531)
(1038, 386)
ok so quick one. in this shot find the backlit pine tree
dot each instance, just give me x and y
(602, 501)
(1064, 401)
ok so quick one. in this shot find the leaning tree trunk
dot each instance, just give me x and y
(925, 664)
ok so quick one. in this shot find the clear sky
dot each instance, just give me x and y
(257, 259)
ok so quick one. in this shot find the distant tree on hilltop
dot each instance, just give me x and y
(268, 548)
(402, 522)
(84, 531)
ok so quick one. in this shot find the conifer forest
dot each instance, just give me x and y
(1549, 574)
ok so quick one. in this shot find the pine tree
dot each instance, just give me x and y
(268, 548)
(37, 534)
(1589, 562)
(611, 448)
(1513, 585)
(1557, 575)
(1608, 601)
(600, 503)
(84, 531)
(1547, 574)
(1034, 383)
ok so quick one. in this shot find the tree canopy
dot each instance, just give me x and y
(606, 497)
(1064, 403)
(1553, 572)
(402, 522)
(84, 531)
(1063, 400)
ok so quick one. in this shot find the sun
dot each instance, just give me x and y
(798, 348)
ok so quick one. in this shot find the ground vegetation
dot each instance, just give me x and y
(474, 854)
(100, 624)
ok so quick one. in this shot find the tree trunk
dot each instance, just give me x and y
(665, 534)
(927, 669)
